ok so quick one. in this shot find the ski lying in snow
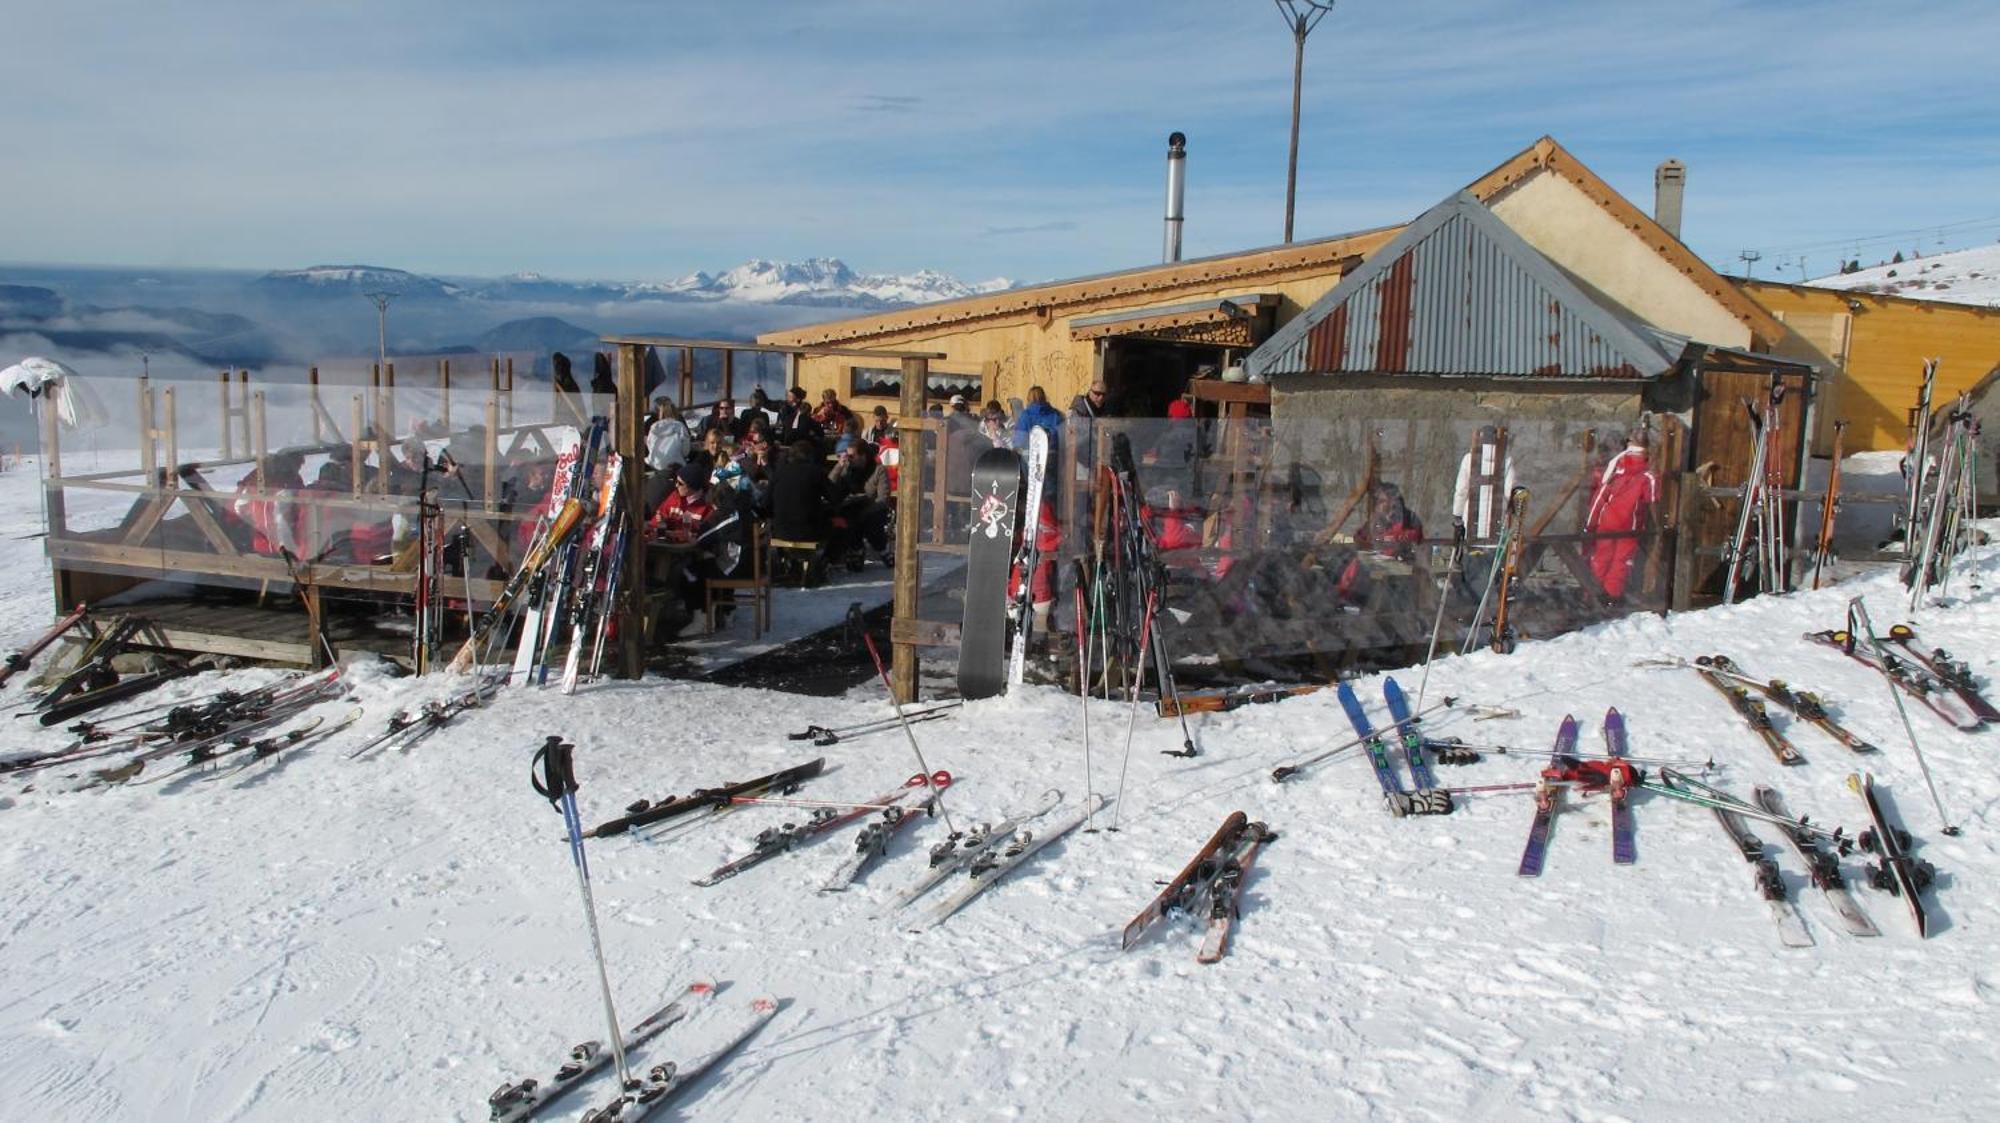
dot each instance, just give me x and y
(1430, 798)
(1805, 705)
(1548, 801)
(1824, 867)
(1765, 876)
(1225, 892)
(22, 659)
(774, 841)
(1195, 875)
(209, 754)
(647, 812)
(1393, 796)
(1754, 715)
(1002, 858)
(1912, 678)
(662, 1081)
(872, 841)
(1624, 840)
(292, 741)
(1896, 873)
(524, 1098)
(822, 735)
(1954, 673)
(952, 855)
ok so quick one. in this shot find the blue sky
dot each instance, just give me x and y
(644, 140)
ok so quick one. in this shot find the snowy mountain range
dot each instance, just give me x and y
(819, 282)
(1961, 277)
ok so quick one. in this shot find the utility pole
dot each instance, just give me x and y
(381, 300)
(1301, 16)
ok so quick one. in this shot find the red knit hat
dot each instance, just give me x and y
(1179, 409)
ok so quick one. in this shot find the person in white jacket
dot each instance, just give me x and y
(1479, 504)
(667, 439)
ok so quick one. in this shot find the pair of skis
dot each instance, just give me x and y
(824, 820)
(1914, 676)
(1429, 798)
(523, 1099)
(1210, 884)
(706, 801)
(1804, 704)
(986, 856)
(1615, 776)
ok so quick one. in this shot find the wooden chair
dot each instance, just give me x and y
(758, 584)
(800, 560)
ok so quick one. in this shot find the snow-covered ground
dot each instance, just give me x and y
(1969, 276)
(392, 937)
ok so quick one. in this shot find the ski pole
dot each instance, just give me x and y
(1687, 789)
(1279, 774)
(1492, 573)
(845, 805)
(1132, 720)
(925, 768)
(1858, 612)
(555, 779)
(1447, 743)
(820, 732)
(1444, 594)
(1083, 695)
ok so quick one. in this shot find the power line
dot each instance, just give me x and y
(1938, 229)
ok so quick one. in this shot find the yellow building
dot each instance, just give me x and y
(1878, 345)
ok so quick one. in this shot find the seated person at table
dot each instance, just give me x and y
(680, 514)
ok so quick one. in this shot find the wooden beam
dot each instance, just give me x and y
(909, 510)
(628, 437)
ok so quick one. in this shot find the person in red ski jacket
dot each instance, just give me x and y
(1623, 502)
(1042, 585)
(681, 513)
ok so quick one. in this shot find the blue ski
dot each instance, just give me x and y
(1378, 751)
(1414, 748)
(1548, 800)
(1624, 847)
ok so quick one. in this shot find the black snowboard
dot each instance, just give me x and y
(982, 649)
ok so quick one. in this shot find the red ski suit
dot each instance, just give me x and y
(1625, 496)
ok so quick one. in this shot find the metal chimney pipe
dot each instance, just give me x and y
(1176, 189)
(1669, 181)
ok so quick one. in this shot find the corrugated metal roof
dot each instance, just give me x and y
(1460, 293)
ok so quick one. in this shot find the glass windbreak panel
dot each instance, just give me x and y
(1300, 550)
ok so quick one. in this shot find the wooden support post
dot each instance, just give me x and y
(1680, 592)
(354, 462)
(173, 442)
(492, 452)
(909, 508)
(729, 374)
(257, 445)
(444, 392)
(148, 430)
(243, 403)
(687, 377)
(228, 437)
(628, 437)
(388, 417)
(509, 387)
(52, 501)
(313, 406)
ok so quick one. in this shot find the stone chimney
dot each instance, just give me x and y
(1669, 181)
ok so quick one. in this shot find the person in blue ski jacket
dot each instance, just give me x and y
(1038, 414)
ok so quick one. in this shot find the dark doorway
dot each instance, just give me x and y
(1143, 375)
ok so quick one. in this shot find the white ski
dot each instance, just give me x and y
(1030, 521)
(1002, 859)
(663, 1080)
(953, 855)
(873, 842)
(523, 1098)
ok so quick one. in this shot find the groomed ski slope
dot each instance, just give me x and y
(392, 938)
